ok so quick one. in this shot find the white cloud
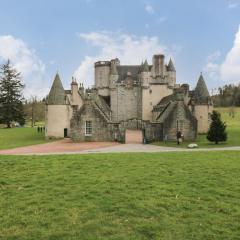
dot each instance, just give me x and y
(227, 71)
(214, 56)
(25, 61)
(161, 20)
(129, 49)
(149, 8)
(230, 68)
(233, 4)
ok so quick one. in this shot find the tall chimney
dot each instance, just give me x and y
(158, 65)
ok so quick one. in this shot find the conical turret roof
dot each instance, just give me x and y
(170, 66)
(145, 67)
(201, 93)
(56, 95)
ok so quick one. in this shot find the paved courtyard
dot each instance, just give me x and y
(67, 147)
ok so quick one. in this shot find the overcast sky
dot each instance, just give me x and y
(42, 37)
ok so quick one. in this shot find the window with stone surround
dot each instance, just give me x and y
(88, 128)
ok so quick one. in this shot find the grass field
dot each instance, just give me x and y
(19, 137)
(121, 196)
(233, 130)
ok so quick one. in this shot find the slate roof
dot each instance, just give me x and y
(67, 91)
(164, 114)
(170, 66)
(201, 93)
(145, 67)
(123, 70)
(167, 99)
(57, 94)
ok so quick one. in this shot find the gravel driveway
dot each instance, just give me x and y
(67, 147)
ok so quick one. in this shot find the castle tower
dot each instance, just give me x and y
(171, 73)
(145, 74)
(57, 114)
(102, 73)
(203, 105)
(157, 83)
(113, 72)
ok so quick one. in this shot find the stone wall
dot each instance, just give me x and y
(102, 72)
(126, 103)
(151, 132)
(101, 131)
(151, 96)
(180, 119)
(57, 117)
(202, 113)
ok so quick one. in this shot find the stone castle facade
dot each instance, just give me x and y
(143, 98)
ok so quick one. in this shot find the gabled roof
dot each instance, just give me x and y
(57, 94)
(166, 99)
(165, 113)
(201, 93)
(170, 66)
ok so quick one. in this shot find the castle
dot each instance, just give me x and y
(126, 101)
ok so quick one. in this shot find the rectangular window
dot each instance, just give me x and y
(88, 128)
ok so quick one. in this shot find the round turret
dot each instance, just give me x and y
(102, 73)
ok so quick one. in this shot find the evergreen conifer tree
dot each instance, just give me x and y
(217, 131)
(11, 97)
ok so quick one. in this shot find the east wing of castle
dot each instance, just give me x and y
(129, 99)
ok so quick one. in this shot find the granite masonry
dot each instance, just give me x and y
(142, 98)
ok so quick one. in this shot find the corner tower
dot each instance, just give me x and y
(102, 74)
(56, 112)
(202, 105)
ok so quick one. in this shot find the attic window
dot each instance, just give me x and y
(88, 128)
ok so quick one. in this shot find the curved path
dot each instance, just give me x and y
(67, 147)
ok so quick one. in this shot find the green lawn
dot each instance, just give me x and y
(233, 130)
(121, 196)
(18, 137)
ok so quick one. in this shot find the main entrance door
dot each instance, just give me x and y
(133, 136)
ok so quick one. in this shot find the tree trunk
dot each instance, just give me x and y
(8, 124)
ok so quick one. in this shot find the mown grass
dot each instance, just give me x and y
(121, 196)
(19, 137)
(233, 130)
